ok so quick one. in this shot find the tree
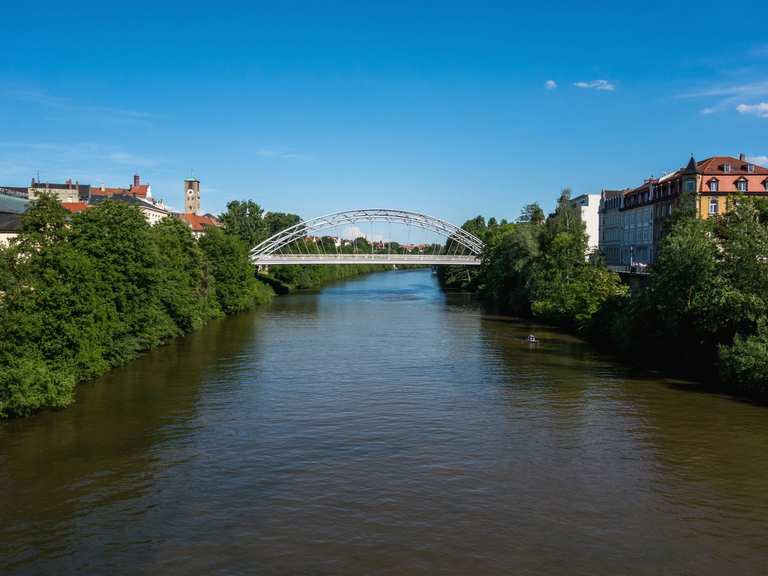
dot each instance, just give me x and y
(475, 226)
(278, 221)
(744, 364)
(245, 220)
(532, 214)
(236, 286)
(119, 241)
(52, 315)
(507, 264)
(186, 287)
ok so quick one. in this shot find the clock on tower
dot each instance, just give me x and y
(191, 195)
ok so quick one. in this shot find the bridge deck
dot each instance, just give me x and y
(404, 259)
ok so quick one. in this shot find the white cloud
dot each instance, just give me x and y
(353, 232)
(760, 110)
(602, 85)
(280, 154)
(759, 160)
(751, 89)
(550, 84)
(730, 96)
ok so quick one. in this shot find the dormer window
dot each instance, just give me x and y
(751, 168)
(765, 184)
(741, 185)
(714, 185)
(726, 168)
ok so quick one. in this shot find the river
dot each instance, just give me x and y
(382, 427)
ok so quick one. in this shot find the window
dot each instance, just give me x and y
(765, 184)
(690, 185)
(713, 185)
(750, 168)
(713, 206)
(726, 168)
(741, 186)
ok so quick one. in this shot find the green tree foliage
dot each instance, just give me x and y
(707, 300)
(245, 219)
(538, 267)
(118, 240)
(50, 315)
(277, 221)
(532, 214)
(744, 364)
(80, 295)
(186, 286)
(235, 277)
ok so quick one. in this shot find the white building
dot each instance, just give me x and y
(68, 192)
(590, 208)
(153, 210)
(611, 225)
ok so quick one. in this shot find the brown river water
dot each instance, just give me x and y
(382, 427)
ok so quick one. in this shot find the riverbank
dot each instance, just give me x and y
(702, 314)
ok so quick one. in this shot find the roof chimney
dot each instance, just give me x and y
(742, 157)
(136, 180)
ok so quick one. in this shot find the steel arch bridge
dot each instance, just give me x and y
(303, 243)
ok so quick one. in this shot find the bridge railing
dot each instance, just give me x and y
(425, 259)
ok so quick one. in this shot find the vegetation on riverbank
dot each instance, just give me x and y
(703, 312)
(80, 295)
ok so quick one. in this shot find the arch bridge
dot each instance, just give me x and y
(313, 242)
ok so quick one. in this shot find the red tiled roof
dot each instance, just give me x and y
(102, 191)
(74, 207)
(198, 223)
(141, 190)
(713, 166)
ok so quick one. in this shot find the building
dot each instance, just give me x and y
(611, 225)
(15, 191)
(589, 205)
(198, 223)
(67, 192)
(152, 210)
(74, 207)
(191, 196)
(637, 221)
(10, 225)
(136, 189)
(643, 212)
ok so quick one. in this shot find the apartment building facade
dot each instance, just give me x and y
(633, 222)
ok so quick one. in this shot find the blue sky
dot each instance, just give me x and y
(440, 107)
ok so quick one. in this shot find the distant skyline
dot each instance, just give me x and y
(451, 109)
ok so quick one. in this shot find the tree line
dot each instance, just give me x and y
(80, 294)
(703, 312)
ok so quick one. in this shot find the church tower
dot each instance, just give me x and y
(191, 195)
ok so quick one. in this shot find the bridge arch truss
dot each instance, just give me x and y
(461, 247)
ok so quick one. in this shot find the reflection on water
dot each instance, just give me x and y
(383, 427)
